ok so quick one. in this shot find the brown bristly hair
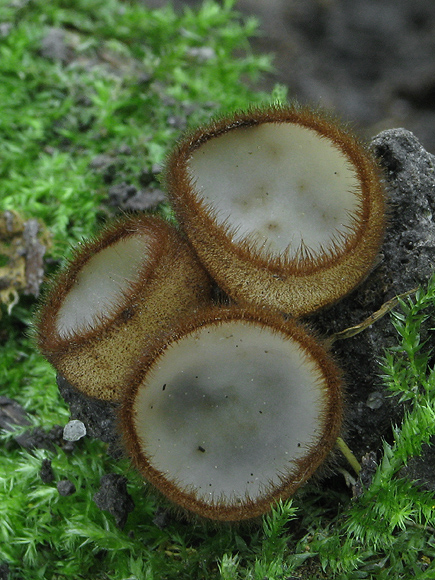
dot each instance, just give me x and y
(294, 285)
(171, 284)
(331, 417)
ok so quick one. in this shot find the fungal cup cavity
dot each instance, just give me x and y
(283, 205)
(232, 413)
(101, 286)
(120, 291)
(280, 185)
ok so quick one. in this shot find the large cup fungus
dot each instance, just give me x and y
(236, 409)
(119, 293)
(225, 409)
(284, 206)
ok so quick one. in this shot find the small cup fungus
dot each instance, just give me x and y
(236, 410)
(117, 295)
(283, 206)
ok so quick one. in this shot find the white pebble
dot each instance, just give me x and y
(74, 430)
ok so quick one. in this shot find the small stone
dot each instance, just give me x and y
(156, 168)
(161, 518)
(74, 430)
(202, 53)
(124, 149)
(12, 414)
(66, 487)
(46, 473)
(375, 400)
(54, 47)
(114, 497)
(176, 121)
(5, 28)
(102, 161)
(126, 197)
(369, 466)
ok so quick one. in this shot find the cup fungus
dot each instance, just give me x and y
(119, 292)
(284, 207)
(237, 409)
(225, 409)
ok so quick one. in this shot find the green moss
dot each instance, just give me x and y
(388, 532)
(131, 78)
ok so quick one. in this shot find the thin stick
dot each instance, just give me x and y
(383, 310)
(352, 460)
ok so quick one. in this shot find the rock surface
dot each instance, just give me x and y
(406, 261)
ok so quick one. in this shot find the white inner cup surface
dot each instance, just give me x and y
(101, 286)
(280, 184)
(227, 409)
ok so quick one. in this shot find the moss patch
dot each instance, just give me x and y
(114, 79)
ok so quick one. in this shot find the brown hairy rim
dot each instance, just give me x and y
(331, 417)
(171, 283)
(251, 275)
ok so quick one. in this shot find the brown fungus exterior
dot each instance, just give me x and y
(114, 299)
(225, 410)
(302, 272)
(236, 410)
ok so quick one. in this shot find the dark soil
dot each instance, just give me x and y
(371, 61)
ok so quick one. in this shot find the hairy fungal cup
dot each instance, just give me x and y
(284, 206)
(112, 301)
(236, 409)
(224, 409)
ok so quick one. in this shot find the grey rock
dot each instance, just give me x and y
(99, 417)
(54, 46)
(406, 260)
(74, 430)
(46, 472)
(66, 487)
(114, 497)
(126, 197)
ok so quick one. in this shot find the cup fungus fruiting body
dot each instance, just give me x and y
(236, 410)
(284, 206)
(116, 296)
